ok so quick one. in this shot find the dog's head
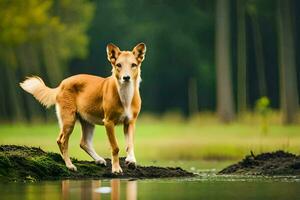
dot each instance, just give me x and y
(126, 64)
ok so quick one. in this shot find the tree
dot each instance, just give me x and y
(225, 106)
(258, 49)
(241, 57)
(193, 96)
(288, 76)
(38, 37)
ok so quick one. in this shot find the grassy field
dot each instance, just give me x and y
(167, 141)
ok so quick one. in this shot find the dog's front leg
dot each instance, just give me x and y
(129, 130)
(110, 131)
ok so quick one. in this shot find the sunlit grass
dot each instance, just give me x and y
(165, 139)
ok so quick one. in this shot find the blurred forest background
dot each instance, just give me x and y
(230, 57)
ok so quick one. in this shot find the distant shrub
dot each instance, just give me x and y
(262, 107)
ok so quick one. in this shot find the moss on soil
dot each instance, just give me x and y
(270, 164)
(22, 163)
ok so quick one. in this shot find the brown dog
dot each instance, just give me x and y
(95, 100)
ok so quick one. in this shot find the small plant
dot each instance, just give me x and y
(262, 107)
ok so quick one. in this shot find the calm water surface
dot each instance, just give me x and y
(196, 188)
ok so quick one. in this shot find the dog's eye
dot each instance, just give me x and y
(119, 65)
(133, 65)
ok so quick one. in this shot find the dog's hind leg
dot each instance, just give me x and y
(86, 142)
(66, 119)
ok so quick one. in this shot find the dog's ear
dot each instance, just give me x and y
(112, 52)
(139, 51)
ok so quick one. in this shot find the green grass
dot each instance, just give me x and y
(165, 141)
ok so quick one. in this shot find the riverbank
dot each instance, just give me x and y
(278, 163)
(22, 163)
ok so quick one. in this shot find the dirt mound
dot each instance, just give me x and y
(22, 163)
(274, 163)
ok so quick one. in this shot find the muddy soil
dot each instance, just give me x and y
(22, 163)
(271, 164)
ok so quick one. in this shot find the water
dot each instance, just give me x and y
(205, 187)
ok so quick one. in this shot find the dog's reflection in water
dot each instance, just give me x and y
(90, 189)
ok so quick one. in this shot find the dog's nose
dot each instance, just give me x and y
(126, 78)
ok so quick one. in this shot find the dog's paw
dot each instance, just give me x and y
(72, 167)
(130, 165)
(101, 162)
(116, 169)
(130, 162)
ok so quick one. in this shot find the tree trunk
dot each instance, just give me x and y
(4, 114)
(288, 76)
(259, 56)
(14, 109)
(52, 62)
(193, 96)
(225, 107)
(241, 58)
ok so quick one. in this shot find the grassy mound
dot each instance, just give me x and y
(271, 164)
(22, 163)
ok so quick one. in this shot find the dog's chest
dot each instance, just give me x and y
(126, 93)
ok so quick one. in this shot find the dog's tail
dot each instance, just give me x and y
(36, 86)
